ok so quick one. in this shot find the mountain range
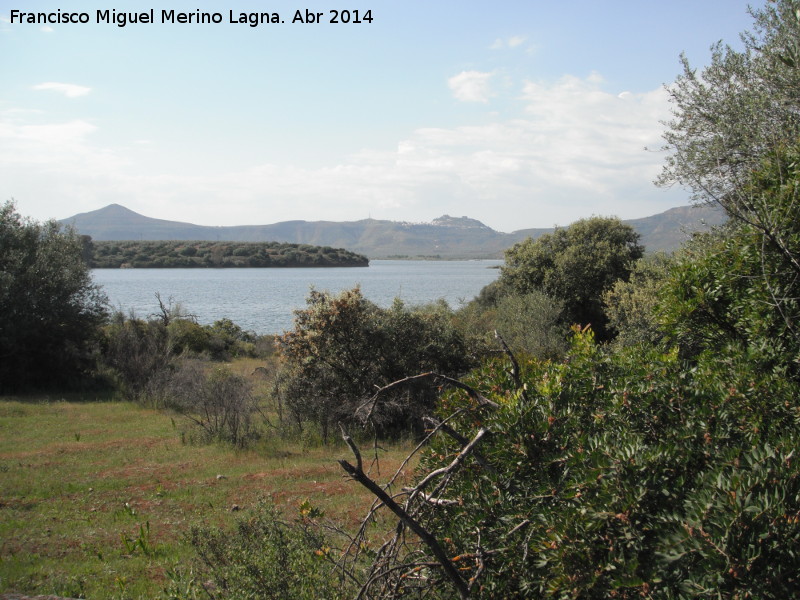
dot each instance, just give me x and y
(444, 237)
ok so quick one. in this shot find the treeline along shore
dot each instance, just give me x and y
(182, 254)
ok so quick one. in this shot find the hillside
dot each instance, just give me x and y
(445, 237)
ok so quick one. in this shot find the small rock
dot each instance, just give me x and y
(221, 477)
(235, 508)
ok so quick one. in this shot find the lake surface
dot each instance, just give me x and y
(263, 300)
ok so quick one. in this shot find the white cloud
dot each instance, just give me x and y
(471, 86)
(47, 29)
(70, 90)
(511, 42)
(575, 150)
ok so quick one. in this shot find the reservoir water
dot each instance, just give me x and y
(263, 300)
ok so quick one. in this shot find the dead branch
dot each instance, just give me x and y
(457, 461)
(515, 370)
(349, 441)
(377, 504)
(431, 500)
(519, 527)
(473, 393)
(463, 441)
(429, 540)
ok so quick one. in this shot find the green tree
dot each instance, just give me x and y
(50, 310)
(734, 142)
(575, 265)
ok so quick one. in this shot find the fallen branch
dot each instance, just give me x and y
(460, 458)
(463, 441)
(423, 534)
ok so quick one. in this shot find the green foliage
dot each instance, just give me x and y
(529, 323)
(266, 557)
(343, 346)
(187, 336)
(136, 355)
(228, 340)
(739, 291)
(631, 305)
(643, 470)
(49, 308)
(575, 265)
(619, 474)
(178, 254)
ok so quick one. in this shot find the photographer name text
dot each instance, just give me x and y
(197, 17)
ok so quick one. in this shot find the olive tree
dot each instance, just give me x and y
(50, 310)
(730, 113)
(733, 142)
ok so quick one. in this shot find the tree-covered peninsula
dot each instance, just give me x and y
(182, 254)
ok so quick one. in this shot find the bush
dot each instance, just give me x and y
(136, 354)
(50, 311)
(264, 557)
(220, 405)
(531, 324)
(575, 265)
(612, 474)
(632, 305)
(343, 347)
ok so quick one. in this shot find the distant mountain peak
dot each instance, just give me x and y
(445, 236)
(116, 208)
(459, 222)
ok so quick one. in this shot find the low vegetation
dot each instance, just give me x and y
(186, 255)
(99, 497)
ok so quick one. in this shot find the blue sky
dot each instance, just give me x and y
(517, 113)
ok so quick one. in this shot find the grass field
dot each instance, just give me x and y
(96, 496)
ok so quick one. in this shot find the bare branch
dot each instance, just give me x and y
(428, 539)
(457, 461)
(474, 394)
(463, 441)
(349, 441)
(515, 370)
(431, 500)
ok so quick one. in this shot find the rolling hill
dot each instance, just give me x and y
(444, 237)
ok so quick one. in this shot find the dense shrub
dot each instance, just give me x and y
(136, 355)
(632, 305)
(50, 310)
(614, 474)
(575, 265)
(343, 347)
